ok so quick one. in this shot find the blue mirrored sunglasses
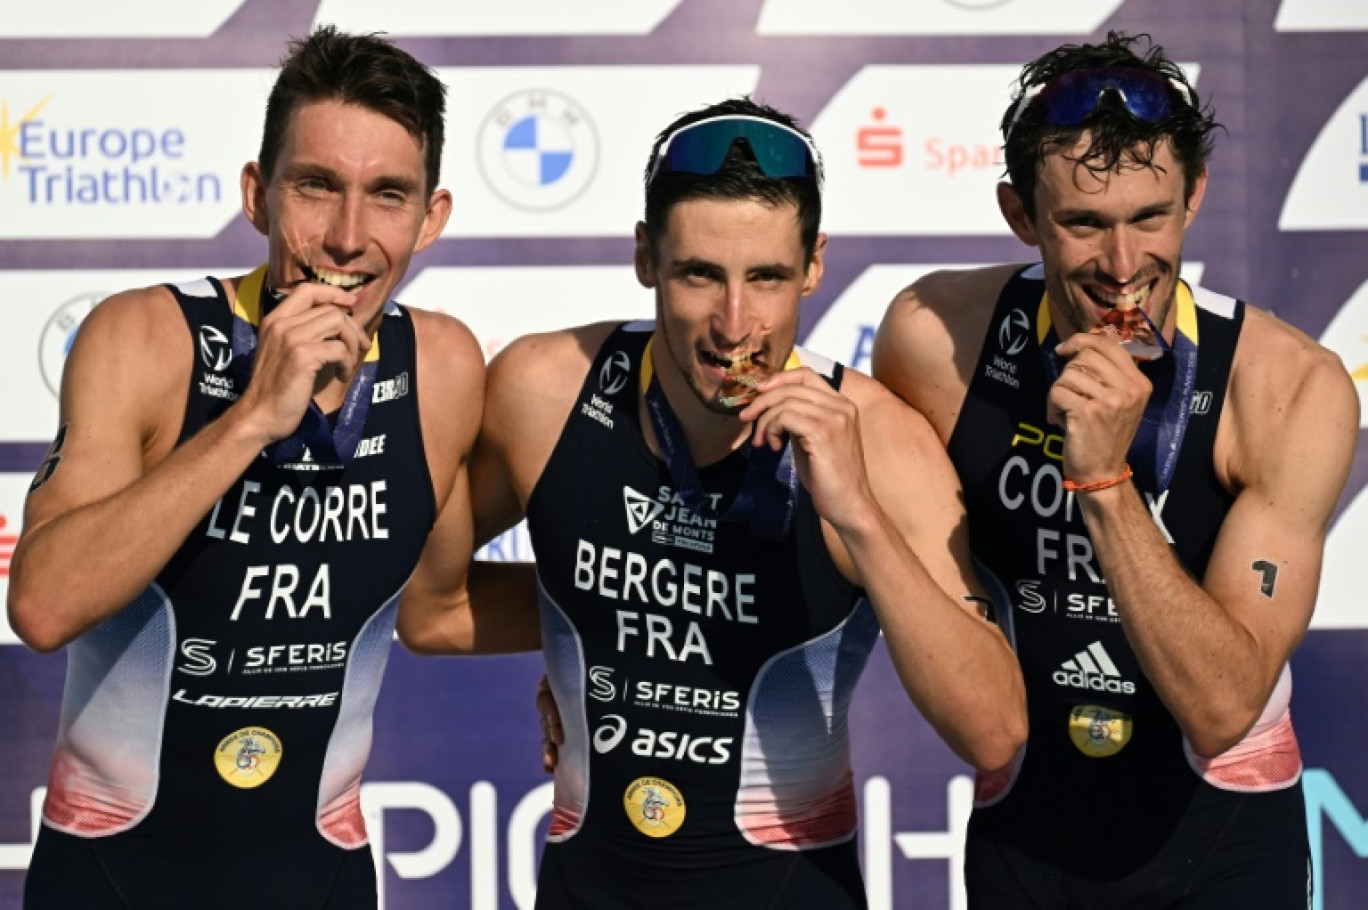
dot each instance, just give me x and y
(701, 147)
(1069, 99)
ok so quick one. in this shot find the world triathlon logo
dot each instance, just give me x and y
(538, 149)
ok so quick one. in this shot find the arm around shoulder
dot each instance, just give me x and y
(454, 605)
(434, 610)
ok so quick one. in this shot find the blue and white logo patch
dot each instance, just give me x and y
(59, 333)
(538, 149)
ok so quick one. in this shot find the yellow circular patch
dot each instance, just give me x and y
(1099, 732)
(248, 757)
(654, 806)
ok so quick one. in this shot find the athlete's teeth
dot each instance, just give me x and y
(1135, 298)
(339, 280)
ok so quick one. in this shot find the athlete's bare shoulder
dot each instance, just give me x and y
(931, 336)
(133, 358)
(868, 393)
(531, 387)
(887, 422)
(546, 366)
(148, 313)
(1283, 386)
(449, 351)
(1277, 366)
(450, 381)
(893, 432)
(912, 479)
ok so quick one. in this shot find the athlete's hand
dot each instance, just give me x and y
(824, 427)
(1097, 401)
(552, 734)
(309, 340)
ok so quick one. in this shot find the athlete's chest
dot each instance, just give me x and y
(642, 568)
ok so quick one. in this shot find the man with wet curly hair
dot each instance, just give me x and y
(1149, 469)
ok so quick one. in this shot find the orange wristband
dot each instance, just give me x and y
(1098, 484)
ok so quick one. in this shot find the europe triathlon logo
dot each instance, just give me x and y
(52, 158)
(10, 147)
(538, 149)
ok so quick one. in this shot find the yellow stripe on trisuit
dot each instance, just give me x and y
(247, 306)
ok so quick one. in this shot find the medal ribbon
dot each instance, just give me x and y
(768, 490)
(330, 446)
(1158, 439)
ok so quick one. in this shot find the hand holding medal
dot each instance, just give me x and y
(306, 342)
(1097, 400)
(1157, 438)
(800, 408)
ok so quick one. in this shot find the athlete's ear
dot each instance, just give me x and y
(1195, 198)
(434, 219)
(816, 265)
(1009, 203)
(643, 258)
(254, 197)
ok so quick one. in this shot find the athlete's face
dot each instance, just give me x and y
(347, 205)
(728, 278)
(1107, 240)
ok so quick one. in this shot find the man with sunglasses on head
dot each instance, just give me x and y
(722, 523)
(1150, 469)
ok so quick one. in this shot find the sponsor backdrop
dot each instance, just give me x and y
(123, 129)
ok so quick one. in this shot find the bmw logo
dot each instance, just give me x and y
(58, 334)
(538, 149)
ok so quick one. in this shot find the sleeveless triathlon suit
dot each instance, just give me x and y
(214, 732)
(704, 675)
(1108, 806)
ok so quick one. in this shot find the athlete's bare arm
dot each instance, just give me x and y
(894, 522)
(976, 700)
(436, 608)
(1285, 444)
(99, 527)
(529, 390)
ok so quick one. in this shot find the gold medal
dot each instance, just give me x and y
(654, 806)
(1099, 732)
(248, 757)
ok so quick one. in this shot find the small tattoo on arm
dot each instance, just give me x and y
(985, 607)
(51, 460)
(1270, 576)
